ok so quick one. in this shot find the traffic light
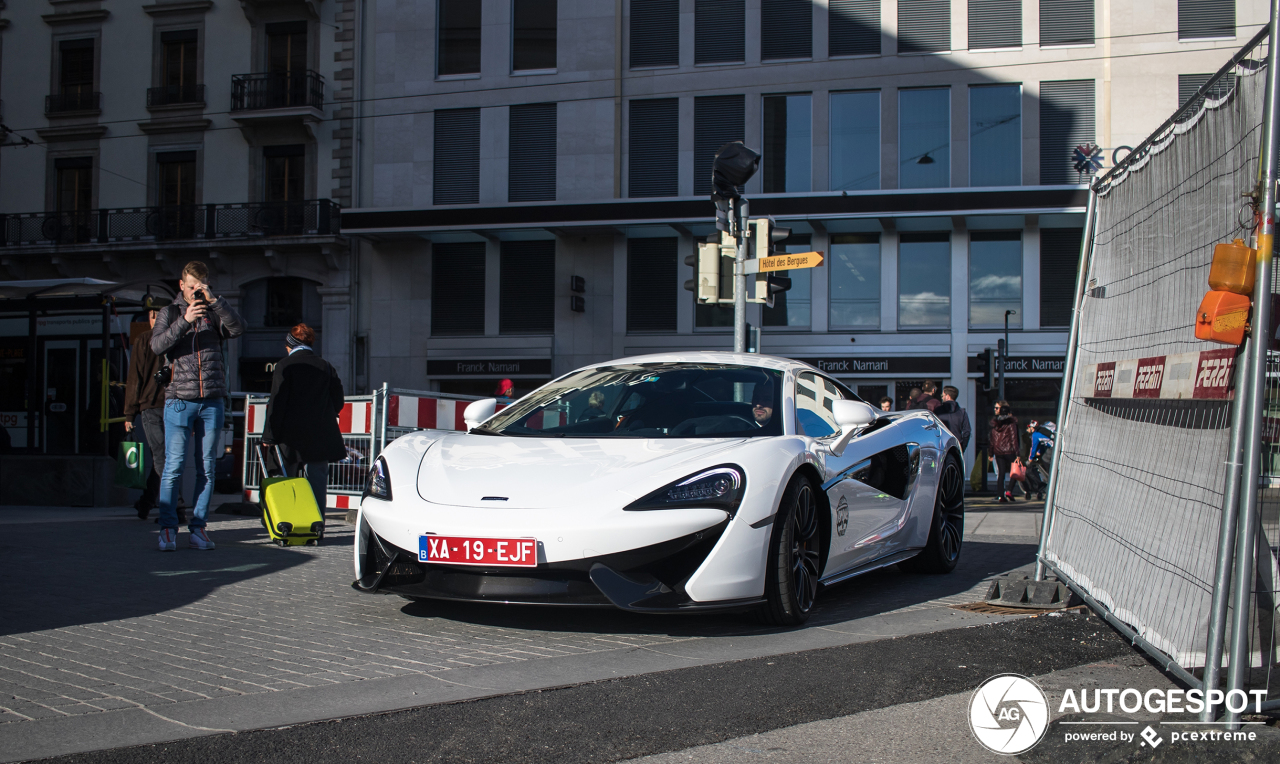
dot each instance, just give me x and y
(765, 234)
(987, 367)
(713, 269)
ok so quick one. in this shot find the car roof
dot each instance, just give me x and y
(715, 356)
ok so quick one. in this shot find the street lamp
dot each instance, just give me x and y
(1004, 349)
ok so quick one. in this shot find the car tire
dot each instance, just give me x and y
(946, 531)
(793, 564)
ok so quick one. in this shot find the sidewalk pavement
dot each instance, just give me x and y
(108, 642)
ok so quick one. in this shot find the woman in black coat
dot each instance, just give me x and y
(302, 415)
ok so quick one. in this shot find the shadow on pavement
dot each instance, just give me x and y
(873, 594)
(69, 573)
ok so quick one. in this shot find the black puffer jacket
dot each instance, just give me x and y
(195, 352)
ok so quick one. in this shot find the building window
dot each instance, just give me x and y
(853, 28)
(176, 193)
(924, 143)
(1059, 261)
(533, 35)
(284, 301)
(285, 173)
(179, 53)
(794, 307)
(788, 141)
(924, 26)
(457, 288)
(787, 29)
(1066, 22)
(75, 77)
(995, 278)
(531, 160)
(995, 135)
(456, 178)
(527, 287)
(287, 64)
(855, 141)
(74, 181)
(854, 273)
(655, 33)
(458, 42)
(1066, 121)
(717, 120)
(719, 31)
(924, 280)
(1206, 19)
(651, 285)
(995, 24)
(1190, 84)
(653, 147)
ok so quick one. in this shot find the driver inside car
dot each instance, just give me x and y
(762, 404)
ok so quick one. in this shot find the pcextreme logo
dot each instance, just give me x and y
(1008, 714)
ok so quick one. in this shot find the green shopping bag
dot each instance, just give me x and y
(132, 464)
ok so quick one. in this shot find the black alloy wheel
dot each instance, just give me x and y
(946, 533)
(794, 563)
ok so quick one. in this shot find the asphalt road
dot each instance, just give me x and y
(666, 711)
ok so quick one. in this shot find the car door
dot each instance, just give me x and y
(858, 508)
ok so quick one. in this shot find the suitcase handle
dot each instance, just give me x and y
(279, 459)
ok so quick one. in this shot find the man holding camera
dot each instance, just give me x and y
(189, 335)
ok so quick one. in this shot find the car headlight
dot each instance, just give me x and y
(718, 488)
(378, 484)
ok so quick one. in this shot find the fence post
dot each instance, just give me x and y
(1068, 379)
(1246, 531)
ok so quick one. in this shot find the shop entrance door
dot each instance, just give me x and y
(62, 396)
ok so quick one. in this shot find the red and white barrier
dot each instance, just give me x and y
(356, 418)
(423, 413)
(332, 500)
(1203, 375)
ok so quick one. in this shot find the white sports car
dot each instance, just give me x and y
(664, 483)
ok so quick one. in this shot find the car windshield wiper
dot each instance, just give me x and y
(484, 429)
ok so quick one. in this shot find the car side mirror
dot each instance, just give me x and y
(853, 417)
(478, 411)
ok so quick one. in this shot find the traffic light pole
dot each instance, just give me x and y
(741, 213)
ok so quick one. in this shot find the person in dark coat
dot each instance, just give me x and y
(302, 415)
(955, 418)
(925, 398)
(144, 399)
(1004, 448)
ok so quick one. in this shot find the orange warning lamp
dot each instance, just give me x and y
(1233, 268)
(1223, 317)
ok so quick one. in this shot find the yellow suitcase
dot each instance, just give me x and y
(289, 510)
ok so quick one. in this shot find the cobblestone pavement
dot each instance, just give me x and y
(97, 621)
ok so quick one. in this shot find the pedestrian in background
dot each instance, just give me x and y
(925, 397)
(302, 415)
(144, 399)
(189, 334)
(954, 417)
(1004, 448)
(505, 391)
(886, 403)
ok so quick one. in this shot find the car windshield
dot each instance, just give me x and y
(650, 400)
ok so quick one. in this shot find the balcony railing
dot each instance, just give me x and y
(72, 100)
(277, 90)
(172, 95)
(313, 217)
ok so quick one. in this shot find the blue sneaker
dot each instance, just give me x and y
(168, 539)
(200, 539)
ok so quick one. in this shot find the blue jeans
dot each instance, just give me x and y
(183, 420)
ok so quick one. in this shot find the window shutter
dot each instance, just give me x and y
(719, 31)
(1206, 19)
(457, 157)
(1190, 84)
(527, 287)
(457, 288)
(853, 28)
(995, 24)
(1059, 258)
(653, 147)
(655, 33)
(1066, 22)
(786, 29)
(651, 285)
(531, 156)
(924, 26)
(1066, 121)
(717, 120)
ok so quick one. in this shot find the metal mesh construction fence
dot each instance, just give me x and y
(1137, 502)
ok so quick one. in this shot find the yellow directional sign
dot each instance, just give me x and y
(788, 262)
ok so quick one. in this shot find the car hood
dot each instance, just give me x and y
(462, 469)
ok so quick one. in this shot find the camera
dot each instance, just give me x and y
(164, 376)
(201, 296)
